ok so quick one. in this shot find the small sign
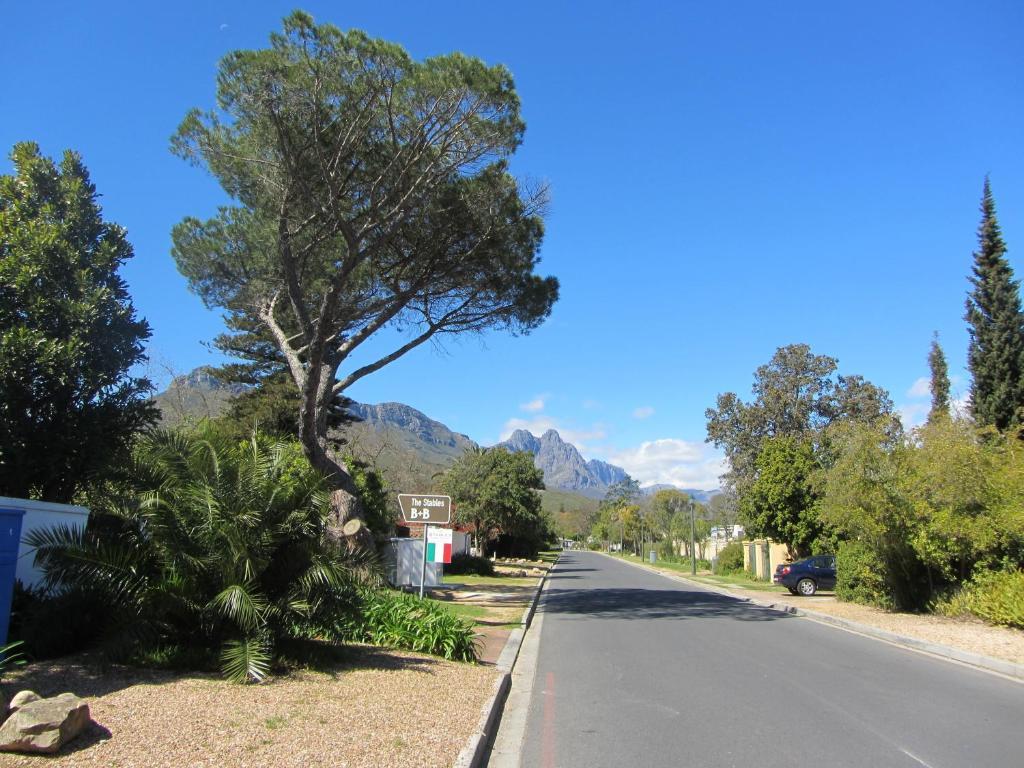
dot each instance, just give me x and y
(425, 508)
(439, 544)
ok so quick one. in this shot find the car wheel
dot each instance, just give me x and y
(806, 587)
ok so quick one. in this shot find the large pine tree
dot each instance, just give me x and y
(995, 355)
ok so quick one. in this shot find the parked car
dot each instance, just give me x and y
(807, 576)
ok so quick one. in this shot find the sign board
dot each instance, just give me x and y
(425, 508)
(439, 544)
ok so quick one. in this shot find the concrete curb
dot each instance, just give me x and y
(475, 749)
(1007, 668)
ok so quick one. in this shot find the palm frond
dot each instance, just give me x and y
(242, 604)
(246, 660)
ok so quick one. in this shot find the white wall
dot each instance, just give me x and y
(39, 515)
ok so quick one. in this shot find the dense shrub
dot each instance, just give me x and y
(399, 620)
(666, 550)
(861, 576)
(730, 559)
(225, 551)
(58, 624)
(464, 563)
(995, 596)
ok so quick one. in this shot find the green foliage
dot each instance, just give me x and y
(226, 549)
(57, 624)
(781, 503)
(933, 507)
(370, 200)
(68, 333)
(666, 550)
(10, 656)
(995, 354)
(995, 596)
(465, 563)
(797, 394)
(495, 490)
(399, 620)
(730, 558)
(939, 381)
(378, 506)
(861, 576)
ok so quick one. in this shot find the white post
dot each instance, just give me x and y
(423, 568)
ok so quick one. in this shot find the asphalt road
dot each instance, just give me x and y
(634, 669)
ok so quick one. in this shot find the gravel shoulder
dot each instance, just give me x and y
(380, 708)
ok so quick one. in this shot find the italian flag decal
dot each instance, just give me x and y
(439, 544)
(439, 553)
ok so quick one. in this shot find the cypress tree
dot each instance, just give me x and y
(995, 355)
(939, 382)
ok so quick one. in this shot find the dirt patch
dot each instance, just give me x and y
(371, 711)
(965, 634)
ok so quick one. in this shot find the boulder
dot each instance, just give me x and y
(44, 725)
(21, 698)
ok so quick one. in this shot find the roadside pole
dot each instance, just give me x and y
(693, 543)
(423, 566)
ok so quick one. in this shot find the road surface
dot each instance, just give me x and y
(634, 669)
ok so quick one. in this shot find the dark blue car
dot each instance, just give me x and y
(807, 576)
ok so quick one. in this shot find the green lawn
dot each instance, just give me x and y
(469, 580)
(463, 611)
(725, 580)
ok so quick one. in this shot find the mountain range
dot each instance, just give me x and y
(407, 446)
(562, 464)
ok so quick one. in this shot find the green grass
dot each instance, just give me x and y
(511, 581)
(464, 611)
(549, 556)
(725, 580)
(739, 580)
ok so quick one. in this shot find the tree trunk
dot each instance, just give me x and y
(347, 522)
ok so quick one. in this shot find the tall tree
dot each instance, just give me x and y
(939, 381)
(995, 354)
(370, 193)
(496, 491)
(781, 501)
(68, 333)
(796, 394)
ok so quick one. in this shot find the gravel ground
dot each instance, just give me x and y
(965, 634)
(384, 708)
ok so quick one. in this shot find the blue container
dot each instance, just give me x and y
(10, 537)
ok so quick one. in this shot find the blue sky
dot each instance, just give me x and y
(727, 178)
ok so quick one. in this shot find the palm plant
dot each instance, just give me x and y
(225, 549)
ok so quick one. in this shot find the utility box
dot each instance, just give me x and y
(10, 538)
(403, 561)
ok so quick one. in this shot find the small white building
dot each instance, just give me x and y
(40, 515)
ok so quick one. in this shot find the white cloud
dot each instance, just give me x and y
(672, 461)
(913, 415)
(643, 412)
(535, 405)
(921, 388)
(538, 425)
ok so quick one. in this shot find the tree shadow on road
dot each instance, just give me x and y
(623, 603)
